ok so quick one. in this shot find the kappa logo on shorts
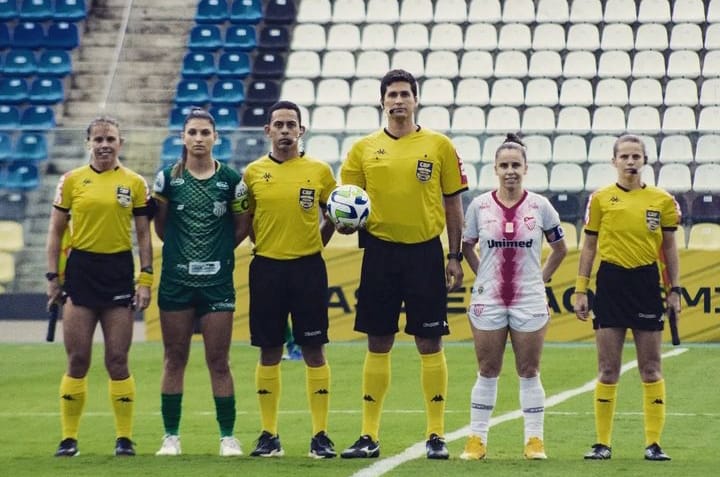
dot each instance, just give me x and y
(122, 194)
(652, 219)
(307, 198)
(424, 171)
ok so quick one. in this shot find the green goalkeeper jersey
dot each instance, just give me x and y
(199, 237)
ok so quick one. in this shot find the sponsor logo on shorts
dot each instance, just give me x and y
(307, 198)
(649, 316)
(123, 196)
(424, 171)
(652, 219)
(312, 333)
(432, 324)
(121, 297)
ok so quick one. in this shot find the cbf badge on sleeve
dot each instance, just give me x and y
(123, 196)
(652, 219)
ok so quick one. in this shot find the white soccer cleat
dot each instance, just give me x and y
(170, 446)
(230, 447)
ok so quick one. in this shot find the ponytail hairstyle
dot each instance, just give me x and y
(194, 113)
(512, 141)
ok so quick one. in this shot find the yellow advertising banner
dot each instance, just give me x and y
(699, 321)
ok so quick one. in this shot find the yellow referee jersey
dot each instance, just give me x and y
(102, 206)
(406, 179)
(629, 223)
(285, 199)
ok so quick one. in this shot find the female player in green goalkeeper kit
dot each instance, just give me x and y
(197, 218)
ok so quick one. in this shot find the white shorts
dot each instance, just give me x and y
(519, 318)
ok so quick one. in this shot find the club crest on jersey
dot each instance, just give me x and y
(530, 222)
(307, 198)
(424, 171)
(123, 196)
(652, 219)
(219, 208)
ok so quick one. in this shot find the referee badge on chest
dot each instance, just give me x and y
(123, 196)
(424, 170)
(652, 219)
(307, 198)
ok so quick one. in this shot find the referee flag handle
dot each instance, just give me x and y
(53, 312)
(672, 321)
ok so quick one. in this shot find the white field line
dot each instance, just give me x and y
(416, 450)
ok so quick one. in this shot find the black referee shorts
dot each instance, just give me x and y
(397, 273)
(628, 298)
(100, 280)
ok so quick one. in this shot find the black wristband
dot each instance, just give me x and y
(148, 270)
(677, 290)
(50, 276)
(455, 255)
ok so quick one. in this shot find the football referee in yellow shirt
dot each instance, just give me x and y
(630, 222)
(415, 180)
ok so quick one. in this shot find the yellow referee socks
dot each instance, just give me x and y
(605, 399)
(434, 378)
(267, 385)
(376, 381)
(654, 410)
(317, 384)
(73, 392)
(122, 397)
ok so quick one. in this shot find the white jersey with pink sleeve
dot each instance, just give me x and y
(510, 241)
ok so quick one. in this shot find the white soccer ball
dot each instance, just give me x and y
(349, 206)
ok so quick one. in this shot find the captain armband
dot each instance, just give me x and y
(581, 284)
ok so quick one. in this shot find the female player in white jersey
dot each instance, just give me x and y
(508, 296)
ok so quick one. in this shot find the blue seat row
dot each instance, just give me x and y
(238, 38)
(39, 91)
(227, 149)
(25, 62)
(27, 146)
(61, 35)
(201, 64)
(233, 93)
(245, 11)
(40, 10)
(33, 117)
(20, 175)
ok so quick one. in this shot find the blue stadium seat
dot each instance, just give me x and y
(12, 205)
(268, 65)
(246, 11)
(233, 65)
(63, 36)
(226, 119)
(263, 92)
(240, 38)
(280, 11)
(20, 62)
(4, 36)
(6, 147)
(706, 208)
(192, 92)
(9, 117)
(171, 148)
(54, 63)
(250, 148)
(222, 150)
(212, 11)
(36, 10)
(70, 10)
(8, 10)
(177, 117)
(255, 115)
(205, 38)
(28, 35)
(23, 175)
(13, 90)
(37, 118)
(228, 92)
(198, 64)
(31, 146)
(274, 38)
(47, 91)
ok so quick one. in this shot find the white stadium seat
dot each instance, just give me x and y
(507, 92)
(308, 36)
(434, 117)
(416, 11)
(573, 119)
(611, 92)
(476, 64)
(648, 64)
(484, 11)
(350, 11)
(323, 146)
(363, 118)
(620, 11)
(454, 11)
(490, 147)
(707, 178)
(501, 119)
(678, 119)
(643, 119)
(646, 92)
(409, 60)
(298, 90)
(303, 64)
(566, 178)
(614, 64)
(378, 36)
(681, 92)
(552, 11)
(332, 91)
(338, 64)
(541, 92)
(691, 11)
(608, 119)
(707, 148)
(468, 148)
(539, 148)
(343, 36)
(442, 64)
(711, 64)
(683, 64)
(511, 64)
(583, 36)
(600, 175)
(515, 36)
(365, 92)
(446, 36)
(470, 119)
(481, 36)
(651, 36)
(536, 179)
(328, 118)
(372, 64)
(520, 11)
(570, 149)
(412, 36)
(580, 64)
(709, 120)
(472, 92)
(314, 11)
(545, 64)
(437, 92)
(657, 11)
(382, 11)
(674, 178)
(710, 92)
(686, 36)
(538, 119)
(586, 11)
(601, 149)
(617, 36)
(676, 148)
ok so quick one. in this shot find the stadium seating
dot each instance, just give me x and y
(36, 10)
(228, 92)
(468, 119)
(54, 63)
(7, 267)
(6, 146)
(212, 11)
(37, 118)
(29, 35)
(706, 208)
(20, 62)
(222, 149)
(69, 10)
(13, 90)
(63, 36)
(246, 11)
(268, 65)
(198, 65)
(704, 236)
(31, 146)
(21, 175)
(192, 92)
(233, 65)
(46, 91)
(12, 236)
(9, 117)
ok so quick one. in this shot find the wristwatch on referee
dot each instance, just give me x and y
(455, 255)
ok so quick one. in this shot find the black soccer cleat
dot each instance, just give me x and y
(124, 447)
(435, 448)
(268, 445)
(364, 447)
(321, 447)
(67, 448)
(654, 452)
(599, 452)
